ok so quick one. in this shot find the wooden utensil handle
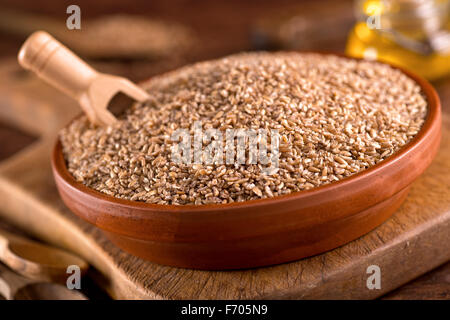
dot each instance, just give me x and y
(3, 245)
(11, 282)
(56, 64)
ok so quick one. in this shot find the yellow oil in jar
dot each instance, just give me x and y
(366, 41)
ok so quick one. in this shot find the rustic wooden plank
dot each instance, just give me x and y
(434, 285)
(415, 240)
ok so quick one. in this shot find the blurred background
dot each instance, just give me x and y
(154, 36)
(185, 30)
(139, 39)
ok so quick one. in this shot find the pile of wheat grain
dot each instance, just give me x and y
(335, 117)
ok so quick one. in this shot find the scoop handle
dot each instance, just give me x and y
(56, 64)
(11, 282)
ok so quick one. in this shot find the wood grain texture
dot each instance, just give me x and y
(434, 285)
(415, 240)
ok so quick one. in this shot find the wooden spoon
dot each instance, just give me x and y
(37, 261)
(16, 287)
(60, 67)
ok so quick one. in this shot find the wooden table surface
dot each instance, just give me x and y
(223, 27)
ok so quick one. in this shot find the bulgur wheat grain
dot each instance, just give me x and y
(335, 116)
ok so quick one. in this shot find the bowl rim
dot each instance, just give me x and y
(433, 115)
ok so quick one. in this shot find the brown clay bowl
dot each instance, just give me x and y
(258, 232)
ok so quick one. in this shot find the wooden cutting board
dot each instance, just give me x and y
(415, 240)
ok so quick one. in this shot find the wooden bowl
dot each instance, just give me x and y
(258, 232)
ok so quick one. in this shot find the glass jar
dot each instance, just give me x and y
(414, 34)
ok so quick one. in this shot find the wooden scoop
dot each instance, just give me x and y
(58, 66)
(37, 261)
(15, 287)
